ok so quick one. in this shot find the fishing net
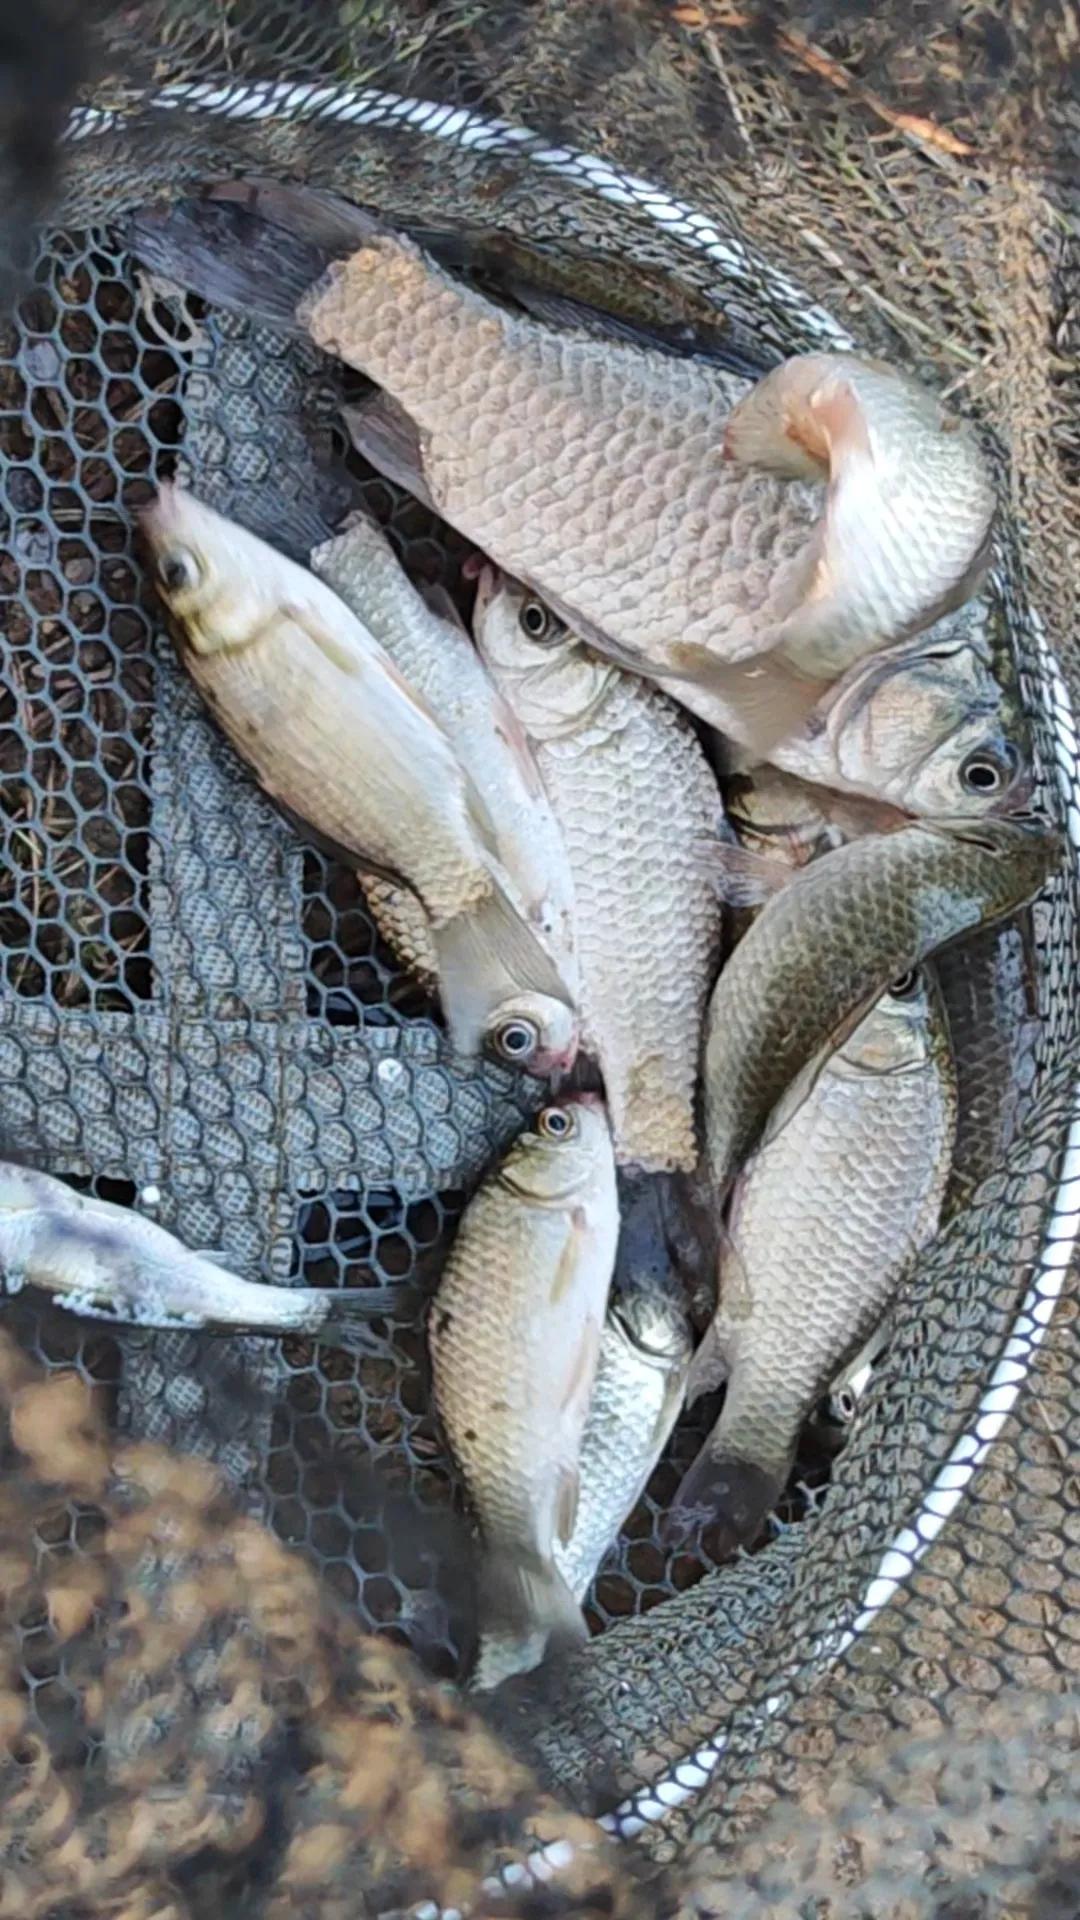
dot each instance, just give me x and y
(198, 1016)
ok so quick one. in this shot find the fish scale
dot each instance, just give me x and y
(635, 798)
(834, 937)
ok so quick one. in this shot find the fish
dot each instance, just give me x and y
(833, 937)
(334, 732)
(514, 1335)
(640, 1382)
(844, 1187)
(429, 645)
(637, 802)
(106, 1262)
(925, 728)
(824, 512)
(404, 926)
(744, 547)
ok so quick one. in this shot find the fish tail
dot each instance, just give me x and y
(231, 254)
(351, 1311)
(528, 1613)
(727, 1495)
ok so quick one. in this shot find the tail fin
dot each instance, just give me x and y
(726, 1496)
(528, 1612)
(350, 1311)
(228, 256)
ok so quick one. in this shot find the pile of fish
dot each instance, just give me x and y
(704, 821)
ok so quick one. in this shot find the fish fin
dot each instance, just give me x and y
(528, 1611)
(730, 1497)
(566, 1506)
(353, 663)
(766, 699)
(579, 1391)
(741, 878)
(390, 441)
(484, 958)
(321, 219)
(351, 1309)
(709, 1367)
(228, 256)
(439, 601)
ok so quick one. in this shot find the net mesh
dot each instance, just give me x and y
(198, 1015)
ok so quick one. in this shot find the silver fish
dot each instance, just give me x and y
(640, 1382)
(106, 1262)
(674, 517)
(334, 732)
(438, 659)
(846, 1185)
(514, 1334)
(637, 803)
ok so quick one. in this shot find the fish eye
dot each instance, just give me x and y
(906, 985)
(984, 772)
(555, 1123)
(516, 1041)
(177, 570)
(535, 620)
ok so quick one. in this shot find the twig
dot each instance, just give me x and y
(914, 125)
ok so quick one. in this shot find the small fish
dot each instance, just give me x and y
(926, 728)
(428, 644)
(636, 801)
(333, 731)
(514, 1333)
(108, 1263)
(845, 1186)
(640, 1381)
(833, 937)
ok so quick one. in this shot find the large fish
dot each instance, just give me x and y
(673, 519)
(432, 650)
(636, 801)
(334, 732)
(845, 1186)
(640, 1381)
(109, 1263)
(926, 728)
(742, 545)
(830, 941)
(515, 1333)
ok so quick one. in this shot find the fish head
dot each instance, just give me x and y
(550, 677)
(926, 730)
(896, 1035)
(534, 1032)
(216, 579)
(565, 1153)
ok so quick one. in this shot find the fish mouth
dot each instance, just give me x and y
(579, 1097)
